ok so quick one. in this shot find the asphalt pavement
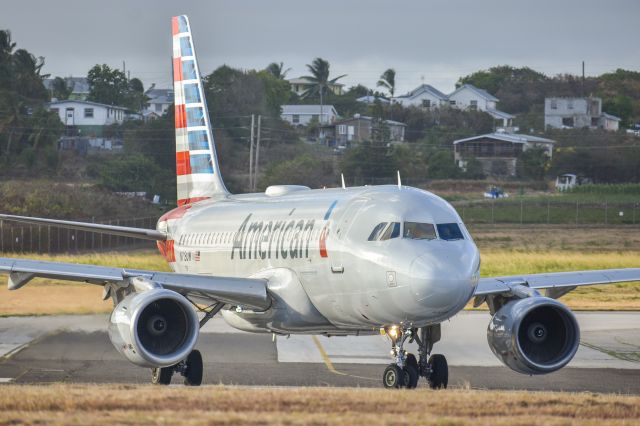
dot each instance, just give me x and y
(77, 349)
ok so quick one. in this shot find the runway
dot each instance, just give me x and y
(77, 349)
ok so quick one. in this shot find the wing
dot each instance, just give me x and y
(123, 231)
(246, 292)
(556, 283)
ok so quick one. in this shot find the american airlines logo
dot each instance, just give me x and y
(280, 239)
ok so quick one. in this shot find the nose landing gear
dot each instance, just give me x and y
(405, 371)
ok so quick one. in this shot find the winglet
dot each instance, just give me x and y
(343, 184)
(399, 181)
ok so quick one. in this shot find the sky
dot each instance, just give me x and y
(430, 41)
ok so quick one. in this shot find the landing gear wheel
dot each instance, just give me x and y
(193, 372)
(161, 376)
(410, 376)
(439, 377)
(393, 377)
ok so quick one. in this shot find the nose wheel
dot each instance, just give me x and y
(406, 369)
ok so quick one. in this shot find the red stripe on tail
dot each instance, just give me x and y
(183, 163)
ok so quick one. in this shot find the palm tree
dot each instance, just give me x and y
(388, 81)
(319, 80)
(12, 115)
(277, 70)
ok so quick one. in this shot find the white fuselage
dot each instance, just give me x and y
(323, 271)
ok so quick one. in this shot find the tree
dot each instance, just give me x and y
(27, 75)
(277, 70)
(111, 86)
(314, 172)
(319, 79)
(388, 81)
(60, 89)
(533, 164)
(6, 54)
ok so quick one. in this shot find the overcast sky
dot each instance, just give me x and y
(437, 41)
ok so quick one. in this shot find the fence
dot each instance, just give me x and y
(549, 212)
(17, 238)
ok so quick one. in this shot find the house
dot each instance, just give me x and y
(498, 152)
(159, 101)
(425, 96)
(563, 113)
(302, 115)
(357, 129)
(466, 97)
(301, 84)
(87, 118)
(79, 87)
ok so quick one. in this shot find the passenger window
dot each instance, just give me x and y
(450, 231)
(375, 234)
(392, 231)
(419, 231)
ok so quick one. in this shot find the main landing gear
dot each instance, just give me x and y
(190, 369)
(407, 369)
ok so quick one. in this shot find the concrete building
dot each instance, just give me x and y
(357, 129)
(300, 85)
(302, 115)
(498, 151)
(86, 113)
(565, 113)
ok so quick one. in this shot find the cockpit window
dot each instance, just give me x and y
(419, 231)
(449, 231)
(375, 234)
(392, 231)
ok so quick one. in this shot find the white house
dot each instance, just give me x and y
(86, 113)
(301, 115)
(469, 97)
(159, 101)
(425, 96)
(563, 113)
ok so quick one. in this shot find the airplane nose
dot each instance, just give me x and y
(445, 277)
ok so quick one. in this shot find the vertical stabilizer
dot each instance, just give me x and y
(197, 168)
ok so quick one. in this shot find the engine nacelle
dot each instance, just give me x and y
(534, 335)
(154, 328)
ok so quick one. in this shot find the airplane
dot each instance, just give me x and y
(388, 259)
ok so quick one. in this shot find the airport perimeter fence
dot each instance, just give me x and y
(528, 212)
(26, 238)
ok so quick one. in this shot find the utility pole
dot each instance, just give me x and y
(583, 79)
(255, 170)
(253, 117)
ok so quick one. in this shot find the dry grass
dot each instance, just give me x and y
(505, 251)
(120, 404)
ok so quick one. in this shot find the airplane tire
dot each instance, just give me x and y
(393, 377)
(439, 377)
(410, 376)
(161, 376)
(193, 374)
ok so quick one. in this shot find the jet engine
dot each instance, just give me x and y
(154, 328)
(534, 335)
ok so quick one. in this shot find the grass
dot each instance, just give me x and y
(505, 251)
(145, 404)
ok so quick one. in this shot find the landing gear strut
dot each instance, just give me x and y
(406, 369)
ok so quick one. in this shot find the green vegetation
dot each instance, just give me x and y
(112, 87)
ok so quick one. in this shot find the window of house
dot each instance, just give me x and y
(295, 118)
(473, 105)
(342, 129)
(419, 231)
(315, 117)
(426, 103)
(158, 107)
(567, 121)
(554, 104)
(88, 113)
(569, 104)
(452, 103)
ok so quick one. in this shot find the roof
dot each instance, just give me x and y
(508, 137)
(500, 114)
(422, 89)
(304, 80)
(78, 84)
(611, 117)
(481, 92)
(369, 99)
(160, 96)
(70, 101)
(307, 109)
